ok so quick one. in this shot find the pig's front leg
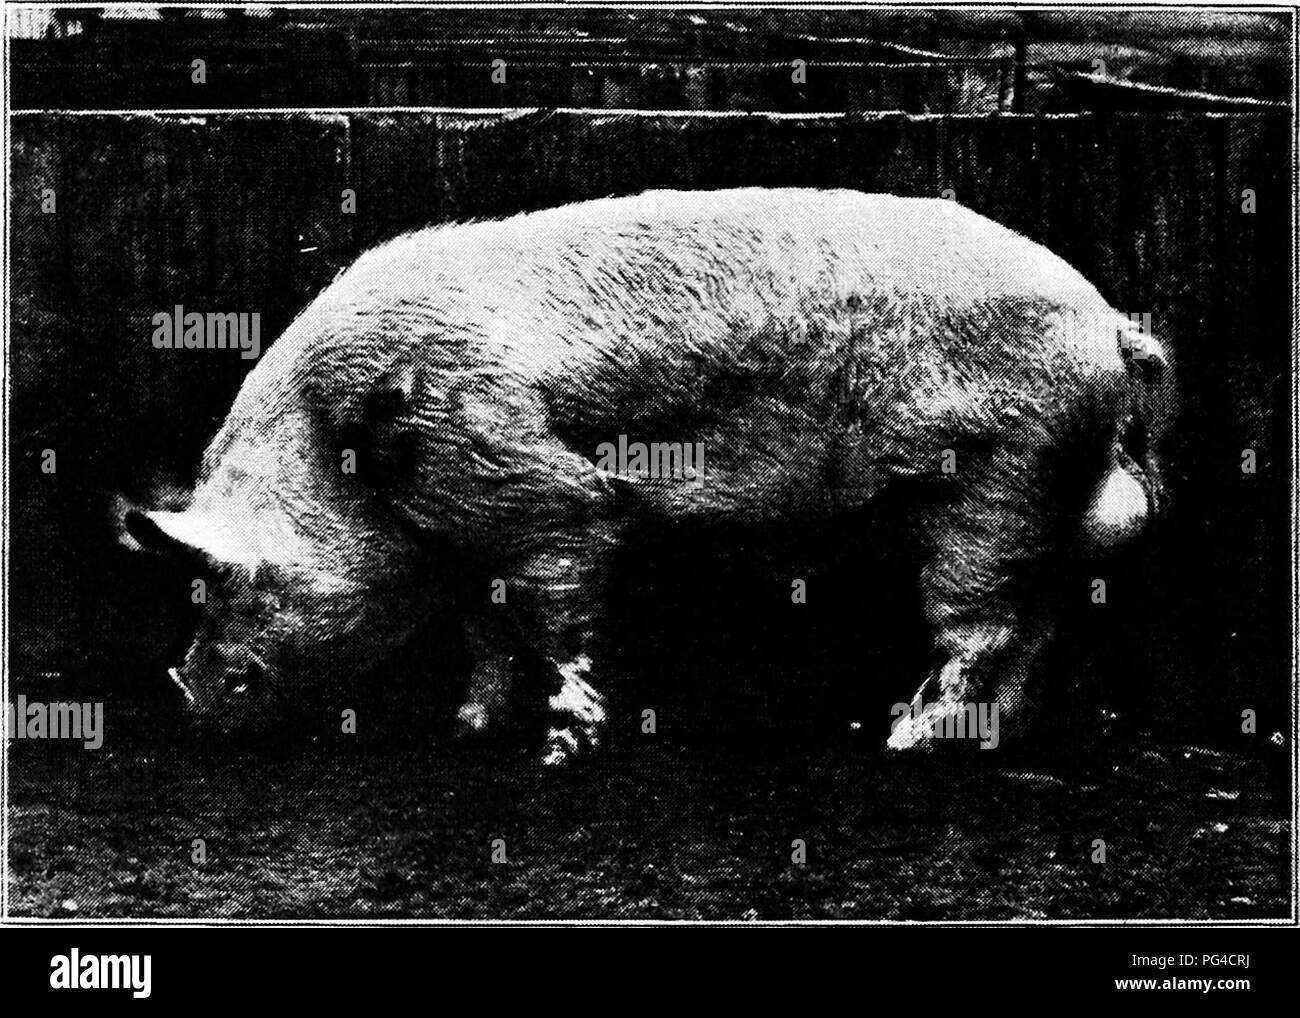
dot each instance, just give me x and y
(577, 713)
(562, 595)
(493, 675)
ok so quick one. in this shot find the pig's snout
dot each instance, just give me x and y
(245, 682)
(231, 698)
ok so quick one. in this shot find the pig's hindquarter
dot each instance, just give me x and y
(815, 421)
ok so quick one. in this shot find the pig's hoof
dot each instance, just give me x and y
(561, 748)
(947, 724)
(578, 711)
(918, 732)
(909, 735)
(565, 745)
(471, 719)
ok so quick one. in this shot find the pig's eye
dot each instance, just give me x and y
(243, 682)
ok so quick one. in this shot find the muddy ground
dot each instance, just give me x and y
(665, 828)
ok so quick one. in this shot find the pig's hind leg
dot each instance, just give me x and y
(986, 629)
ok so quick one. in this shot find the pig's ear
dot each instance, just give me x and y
(188, 531)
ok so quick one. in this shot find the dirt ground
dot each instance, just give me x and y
(661, 828)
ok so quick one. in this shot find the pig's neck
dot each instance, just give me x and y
(304, 524)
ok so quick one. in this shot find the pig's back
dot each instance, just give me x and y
(667, 275)
(788, 238)
(666, 257)
(672, 308)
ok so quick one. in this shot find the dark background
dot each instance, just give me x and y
(1138, 188)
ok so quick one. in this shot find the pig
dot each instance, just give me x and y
(435, 429)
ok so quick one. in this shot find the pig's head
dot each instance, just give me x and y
(313, 571)
(276, 626)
